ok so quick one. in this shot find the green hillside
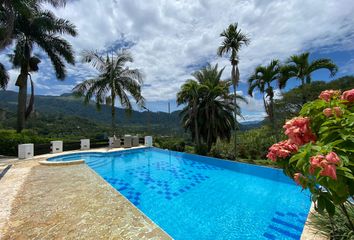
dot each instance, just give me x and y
(58, 114)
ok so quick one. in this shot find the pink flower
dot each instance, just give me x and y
(348, 95)
(281, 150)
(298, 130)
(338, 111)
(329, 170)
(315, 162)
(326, 163)
(327, 112)
(332, 157)
(328, 94)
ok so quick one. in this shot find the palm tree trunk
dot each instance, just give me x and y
(196, 127)
(113, 109)
(233, 78)
(304, 99)
(272, 118)
(22, 98)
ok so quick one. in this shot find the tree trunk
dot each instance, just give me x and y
(196, 127)
(304, 99)
(22, 91)
(234, 82)
(22, 98)
(272, 118)
(113, 114)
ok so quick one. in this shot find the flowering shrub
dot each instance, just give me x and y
(319, 154)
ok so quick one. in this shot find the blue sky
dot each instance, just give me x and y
(171, 39)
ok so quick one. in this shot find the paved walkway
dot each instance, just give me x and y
(67, 202)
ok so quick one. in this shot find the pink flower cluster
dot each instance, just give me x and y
(348, 95)
(282, 150)
(327, 95)
(327, 164)
(298, 130)
(329, 111)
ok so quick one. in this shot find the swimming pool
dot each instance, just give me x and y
(194, 197)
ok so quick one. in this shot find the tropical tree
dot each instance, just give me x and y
(190, 94)
(262, 79)
(10, 9)
(233, 40)
(299, 67)
(208, 111)
(114, 81)
(43, 29)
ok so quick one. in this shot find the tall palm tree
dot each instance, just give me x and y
(208, 113)
(299, 67)
(42, 29)
(10, 9)
(262, 79)
(190, 94)
(233, 40)
(114, 80)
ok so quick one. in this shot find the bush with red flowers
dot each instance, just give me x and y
(319, 152)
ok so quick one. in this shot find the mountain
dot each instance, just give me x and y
(70, 111)
(67, 104)
(67, 113)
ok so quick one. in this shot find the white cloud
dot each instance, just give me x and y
(171, 35)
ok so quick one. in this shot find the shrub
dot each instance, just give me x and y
(9, 140)
(251, 145)
(332, 228)
(319, 154)
(175, 144)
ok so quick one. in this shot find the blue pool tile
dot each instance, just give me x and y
(285, 232)
(280, 214)
(269, 236)
(286, 224)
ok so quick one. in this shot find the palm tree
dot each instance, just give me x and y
(234, 39)
(262, 79)
(42, 29)
(9, 9)
(299, 67)
(190, 94)
(114, 80)
(208, 113)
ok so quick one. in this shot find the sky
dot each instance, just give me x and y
(169, 40)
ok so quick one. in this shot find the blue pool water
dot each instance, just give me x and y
(194, 197)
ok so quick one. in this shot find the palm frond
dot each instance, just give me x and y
(4, 77)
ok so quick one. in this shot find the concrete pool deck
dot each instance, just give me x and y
(67, 202)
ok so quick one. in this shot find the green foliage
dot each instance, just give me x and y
(208, 107)
(9, 140)
(40, 28)
(335, 134)
(114, 81)
(252, 144)
(299, 67)
(175, 144)
(292, 101)
(262, 79)
(61, 115)
(333, 228)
